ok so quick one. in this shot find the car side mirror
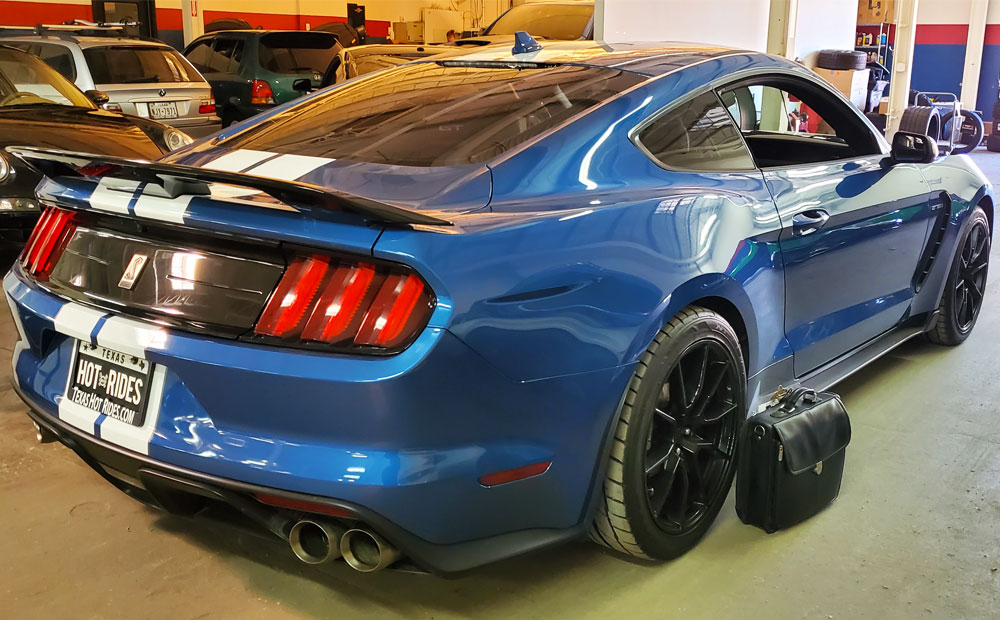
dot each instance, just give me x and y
(98, 97)
(303, 85)
(913, 148)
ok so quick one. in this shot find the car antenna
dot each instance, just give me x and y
(524, 43)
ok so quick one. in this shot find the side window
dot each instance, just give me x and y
(57, 57)
(236, 57)
(787, 121)
(697, 135)
(200, 54)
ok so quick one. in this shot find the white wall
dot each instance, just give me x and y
(732, 23)
(825, 24)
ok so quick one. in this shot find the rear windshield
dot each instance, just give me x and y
(298, 52)
(542, 21)
(123, 64)
(436, 114)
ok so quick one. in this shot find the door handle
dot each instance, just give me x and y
(808, 222)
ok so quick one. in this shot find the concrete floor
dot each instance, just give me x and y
(915, 533)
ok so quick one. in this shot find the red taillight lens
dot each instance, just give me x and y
(47, 241)
(261, 93)
(346, 303)
(207, 107)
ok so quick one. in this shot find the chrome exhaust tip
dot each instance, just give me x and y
(367, 552)
(315, 542)
(43, 435)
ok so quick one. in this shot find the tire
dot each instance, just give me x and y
(879, 120)
(996, 110)
(972, 131)
(993, 142)
(966, 280)
(667, 436)
(923, 120)
(842, 60)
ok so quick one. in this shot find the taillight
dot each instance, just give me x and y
(207, 107)
(47, 241)
(347, 303)
(261, 93)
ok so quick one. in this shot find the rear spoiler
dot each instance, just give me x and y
(179, 180)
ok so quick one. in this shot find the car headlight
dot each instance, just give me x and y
(6, 172)
(175, 138)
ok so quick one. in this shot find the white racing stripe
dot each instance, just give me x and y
(238, 161)
(130, 336)
(157, 207)
(137, 438)
(77, 321)
(113, 195)
(289, 167)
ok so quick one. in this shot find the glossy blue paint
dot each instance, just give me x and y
(566, 255)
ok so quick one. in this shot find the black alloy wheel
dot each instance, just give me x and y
(965, 289)
(692, 437)
(970, 286)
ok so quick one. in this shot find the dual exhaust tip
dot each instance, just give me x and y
(317, 541)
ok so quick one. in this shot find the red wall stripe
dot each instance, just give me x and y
(942, 34)
(992, 34)
(31, 13)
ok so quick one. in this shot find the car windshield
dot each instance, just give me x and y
(134, 64)
(545, 21)
(298, 52)
(436, 114)
(25, 80)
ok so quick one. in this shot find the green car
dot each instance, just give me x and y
(253, 70)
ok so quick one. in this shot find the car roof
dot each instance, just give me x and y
(86, 42)
(648, 58)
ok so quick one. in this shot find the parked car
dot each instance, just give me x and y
(251, 71)
(464, 309)
(554, 21)
(39, 107)
(144, 78)
(352, 62)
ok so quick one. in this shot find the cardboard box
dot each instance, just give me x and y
(876, 11)
(883, 106)
(853, 84)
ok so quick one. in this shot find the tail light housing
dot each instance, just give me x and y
(261, 93)
(47, 242)
(346, 304)
(207, 106)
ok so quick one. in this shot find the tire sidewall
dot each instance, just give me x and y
(949, 314)
(654, 541)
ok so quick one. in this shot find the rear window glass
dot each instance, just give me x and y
(138, 65)
(298, 52)
(542, 21)
(436, 114)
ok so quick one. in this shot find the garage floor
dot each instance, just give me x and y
(915, 533)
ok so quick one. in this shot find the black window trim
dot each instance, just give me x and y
(633, 134)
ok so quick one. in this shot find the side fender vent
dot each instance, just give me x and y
(943, 206)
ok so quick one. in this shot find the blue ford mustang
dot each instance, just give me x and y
(462, 309)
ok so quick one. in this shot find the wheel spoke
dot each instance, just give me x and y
(723, 412)
(665, 415)
(708, 395)
(679, 374)
(662, 485)
(700, 386)
(655, 459)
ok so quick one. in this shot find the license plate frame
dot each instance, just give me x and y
(160, 110)
(101, 388)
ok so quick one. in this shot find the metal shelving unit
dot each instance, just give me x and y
(881, 48)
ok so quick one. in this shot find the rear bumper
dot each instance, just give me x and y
(403, 439)
(136, 475)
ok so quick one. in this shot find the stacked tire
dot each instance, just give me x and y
(842, 60)
(923, 120)
(993, 141)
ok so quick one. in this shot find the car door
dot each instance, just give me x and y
(854, 227)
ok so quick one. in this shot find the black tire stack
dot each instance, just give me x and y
(922, 119)
(993, 141)
(842, 60)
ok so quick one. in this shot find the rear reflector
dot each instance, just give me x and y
(347, 303)
(298, 504)
(510, 475)
(47, 241)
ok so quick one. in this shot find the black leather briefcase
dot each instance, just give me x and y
(792, 459)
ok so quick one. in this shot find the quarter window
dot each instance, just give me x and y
(697, 135)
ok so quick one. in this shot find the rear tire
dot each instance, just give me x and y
(965, 288)
(672, 461)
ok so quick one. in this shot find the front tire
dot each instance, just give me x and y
(965, 288)
(672, 461)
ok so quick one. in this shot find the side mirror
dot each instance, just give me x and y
(303, 85)
(913, 148)
(98, 97)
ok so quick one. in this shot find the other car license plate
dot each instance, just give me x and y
(110, 382)
(163, 109)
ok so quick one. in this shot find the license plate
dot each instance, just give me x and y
(110, 382)
(163, 109)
